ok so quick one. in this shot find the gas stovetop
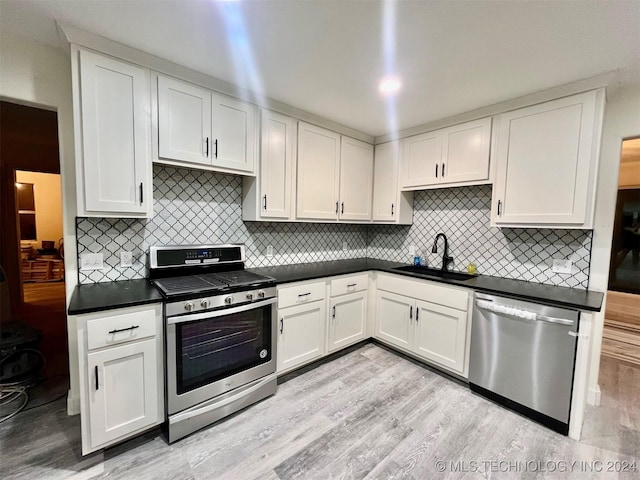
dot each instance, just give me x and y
(184, 270)
(211, 282)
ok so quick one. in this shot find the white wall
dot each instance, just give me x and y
(621, 120)
(39, 75)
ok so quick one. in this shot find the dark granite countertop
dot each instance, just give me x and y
(105, 296)
(548, 294)
(96, 297)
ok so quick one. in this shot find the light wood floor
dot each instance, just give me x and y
(368, 414)
(621, 335)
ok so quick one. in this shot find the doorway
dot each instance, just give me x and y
(33, 346)
(621, 335)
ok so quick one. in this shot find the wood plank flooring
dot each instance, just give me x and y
(621, 334)
(370, 414)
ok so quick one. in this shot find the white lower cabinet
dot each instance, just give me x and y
(440, 334)
(121, 374)
(432, 331)
(301, 334)
(394, 323)
(348, 320)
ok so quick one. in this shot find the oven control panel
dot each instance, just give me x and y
(219, 301)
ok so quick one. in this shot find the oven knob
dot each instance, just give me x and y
(249, 296)
(188, 306)
(228, 300)
(261, 293)
(205, 302)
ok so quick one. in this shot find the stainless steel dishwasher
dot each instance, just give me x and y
(523, 355)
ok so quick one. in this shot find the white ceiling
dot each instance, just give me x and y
(326, 57)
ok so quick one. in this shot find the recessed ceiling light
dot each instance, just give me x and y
(389, 85)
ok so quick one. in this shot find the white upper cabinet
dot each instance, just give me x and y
(205, 129)
(465, 152)
(233, 126)
(390, 205)
(111, 104)
(422, 155)
(318, 173)
(356, 179)
(184, 121)
(455, 156)
(547, 162)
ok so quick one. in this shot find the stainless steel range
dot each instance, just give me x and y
(220, 333)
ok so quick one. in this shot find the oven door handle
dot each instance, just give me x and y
(220, 313)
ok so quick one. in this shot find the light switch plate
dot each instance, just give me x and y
(126, 259)
(561, 265)
(345, 246)
(91, 261)
(269, 251)
(412, 250)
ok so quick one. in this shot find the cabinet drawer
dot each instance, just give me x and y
(299, 294)
(112, 330)
(350, 284)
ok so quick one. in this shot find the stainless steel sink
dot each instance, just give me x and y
(432, 272)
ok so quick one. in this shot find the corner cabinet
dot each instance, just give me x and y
(428, 320)
(546, 163)
(453, 156)
(121, 374)
(390, 205)
(271, 195)
(199, 128)
(111, 103)
(335, 176)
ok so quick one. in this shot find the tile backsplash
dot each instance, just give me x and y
(463, 214)
(196, 207)
(192, 207)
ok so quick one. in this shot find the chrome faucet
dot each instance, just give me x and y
(446, 259)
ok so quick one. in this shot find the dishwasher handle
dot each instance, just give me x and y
(519, 313)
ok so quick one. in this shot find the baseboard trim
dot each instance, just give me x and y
(73, 405)
(593, 397)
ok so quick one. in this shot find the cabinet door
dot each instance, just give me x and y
(544, 163)
(123, 390)
(440, 335)
(356, 179)
(394, 319)
(184, 121)
(276, 164)
(301, 336)
(421, 155)
(233, 124)
(318, 173)
(385, 182)
(347, 323)
(116, 128)
(465, 152)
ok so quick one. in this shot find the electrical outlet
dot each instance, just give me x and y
(561, 265)
(91, 261)
(269, 251)
(412, 250)
(126, 259)
(345, 246)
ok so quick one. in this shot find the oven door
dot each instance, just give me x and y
(211, 353)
